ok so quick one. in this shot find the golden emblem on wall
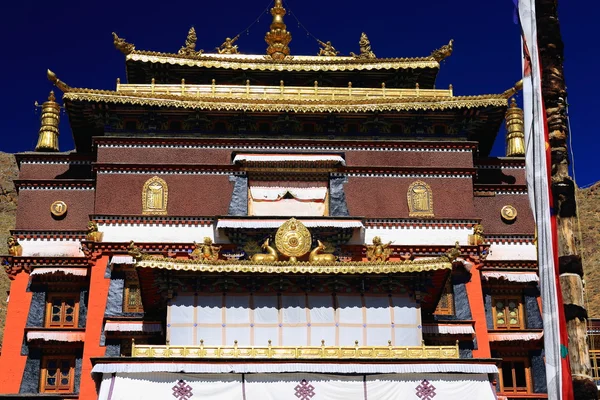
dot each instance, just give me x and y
(420, 200)
(508, 213)
(293, 239)
(58, 208)
(154, 197)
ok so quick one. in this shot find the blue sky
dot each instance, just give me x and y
(73, 38)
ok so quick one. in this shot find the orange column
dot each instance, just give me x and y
(477, 303)
(95, 315)
(12, 363)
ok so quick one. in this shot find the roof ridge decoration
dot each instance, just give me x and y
(190, 44)
(443, 52)
(278, 37)
(122, 45)
(365, 48)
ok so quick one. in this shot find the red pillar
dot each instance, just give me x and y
(97, 297)
(477, 303)
(12, 363)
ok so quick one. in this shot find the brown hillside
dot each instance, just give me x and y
(8, 211)
(589, 217)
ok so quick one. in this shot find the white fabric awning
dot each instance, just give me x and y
(56, 336)
(249, 368)
(511, 276)
(66, 271)
(141, 327)
(122, 259)
(288, 157)
(451, 329)
(276, 223)
(515, 336)
(269, 193)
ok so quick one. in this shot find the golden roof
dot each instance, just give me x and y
(283, 98)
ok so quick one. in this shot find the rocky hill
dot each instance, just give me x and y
(588, 201)
(8, 210)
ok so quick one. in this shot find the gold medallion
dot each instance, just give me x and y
(509, 213)
(293, 239)
(58, 208)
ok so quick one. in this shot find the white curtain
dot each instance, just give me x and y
(306, 201)
(293, 320)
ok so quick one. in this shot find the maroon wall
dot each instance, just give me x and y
(409, 159)
(33, 211)
(189, 195)
(488, 209)
(158, 156)
(375, 197)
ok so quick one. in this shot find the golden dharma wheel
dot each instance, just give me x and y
(293, 239)
(58, 208)
(509, 213)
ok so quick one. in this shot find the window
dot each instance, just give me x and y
(515, 376)
(62, 311)
(446, 304)
(595, 361)
(132, 298)
(508, 312)
(57, 374)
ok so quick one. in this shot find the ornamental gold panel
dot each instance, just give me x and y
(420, 200)
(155, 195)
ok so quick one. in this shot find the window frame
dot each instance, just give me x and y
(131, 281)
(48, 323)
(70, 388)
(527, 370)
(506, 298)
(448, 293)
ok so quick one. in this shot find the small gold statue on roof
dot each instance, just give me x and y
(227, 47)
(365, 48)
(317, 255)
(189, 49)
(453, 253)
(271, 255)
(205, 251)
(327, 49)
(93, 235)
(443, 52)
(14, 248)
(134, 251)
(477, 237)
(122, 45)
(378, 251)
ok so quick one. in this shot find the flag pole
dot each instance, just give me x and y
(551, 49)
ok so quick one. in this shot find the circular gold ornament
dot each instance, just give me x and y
(58, 208)
(293, 239)
(509, 213)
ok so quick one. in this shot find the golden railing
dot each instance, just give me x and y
(296, 352)
(281, 92)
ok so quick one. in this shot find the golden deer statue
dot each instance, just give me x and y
(315, 257)
(270, 256)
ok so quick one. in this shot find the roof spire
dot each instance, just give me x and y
(48, 136)
(278, 37)
(515, 133)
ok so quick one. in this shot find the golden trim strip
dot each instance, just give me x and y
(295, 63)
(300, 352)
(284, 105)
(286, 267)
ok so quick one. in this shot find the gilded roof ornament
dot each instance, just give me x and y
(57, 82)
(278, 37)
(122, 45)
(365, 48)
(515, 131)
(227, 46)
(443, 52)
(50, 118)
(327, 49)
(189, 49)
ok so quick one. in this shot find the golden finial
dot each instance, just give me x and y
(122, 45)
(515, 133)
(57, 82)
(365, 48)
(189, 49)
(48, 136)
(443, 52)
(278, 37)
